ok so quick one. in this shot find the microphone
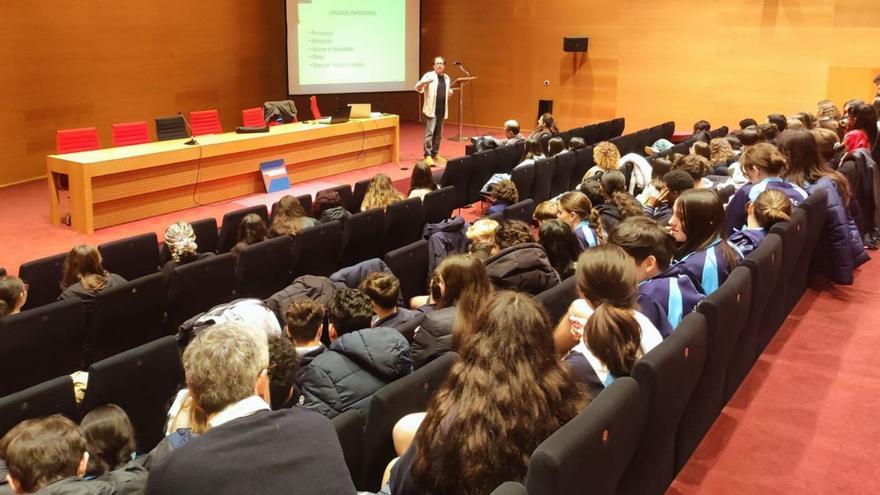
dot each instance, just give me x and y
(192, 140)
(457, 63)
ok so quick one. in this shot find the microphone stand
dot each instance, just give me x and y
(461, 137)
(192, 140)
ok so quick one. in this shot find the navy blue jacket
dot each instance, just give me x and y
(666, 299)
(707, 269)
(747, 239)
(736, 209)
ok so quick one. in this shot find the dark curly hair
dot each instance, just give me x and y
(349, 310)
(505, 191)
(283, 365)
(512, 232)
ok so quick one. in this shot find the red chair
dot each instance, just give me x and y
(313, 102)
(129, 133)
(205, 122)
(252, 117)
(74, 140)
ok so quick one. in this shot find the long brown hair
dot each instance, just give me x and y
(579, 204)
(702, 217)
(380, 194)
(109, 437)
(466, 286)
(83, 264)
(422, 178)
(507, 393)
(606, 276)
(764, 157)
(614, 185)
(805, 163)
(289, 217)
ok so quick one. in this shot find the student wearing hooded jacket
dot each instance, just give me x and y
(518, 262)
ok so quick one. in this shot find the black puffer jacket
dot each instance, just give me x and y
(352, 369)
(524, 267)
(433, 337)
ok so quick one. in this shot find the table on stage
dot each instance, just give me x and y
(117, 185)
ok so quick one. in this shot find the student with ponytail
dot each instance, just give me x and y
(770, 207)
(577, 211)
(765, 167)
(604, 331)
(618, 204)
(13, 295)
(703, 252)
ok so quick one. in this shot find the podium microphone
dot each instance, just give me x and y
(460, 66)
(192, 140)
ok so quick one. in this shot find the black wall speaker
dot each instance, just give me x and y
(575, 44)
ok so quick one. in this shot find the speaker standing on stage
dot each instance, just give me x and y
(435, 108)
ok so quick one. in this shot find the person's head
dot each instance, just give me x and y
(592, 188)
(646, 242)
(505, 395)
(805, 162)
(696, 166)
(778, 120)
(482, 250)
(827, 109)
(702, 126)
(41, 451)
(697, 220)
(806, 119)
(226, 363)
(512, 233)
(533, 149)
(461, 281)
(83, 264)
(826, 141)
(13, 295)
(574, 208)
(422, 178)
(483, 230)
(546, 120)
(303, 321)
(701, 148)
(287, 216)
(505, 192)
(733, 140)
(829, 124)
(770, 207)
(720, 151)
(110, 438)
(747, 122)
(181, 240)
(382, 288)
(561, 245)
(876, 105)
(861, 116)
(761, 161)
(606, 278)
(439, 64)
(349, 310)
(282, 370)
(606, 155)
(555, 145)
(380, 193)
(546, 210)
(795, 124)
(850, 103)
(576, 143)
(659, 167)
(324, 201)
(511, 129)
(252, 229)
(770, 130)
(751, 136)
(677, 181)
(616, 193)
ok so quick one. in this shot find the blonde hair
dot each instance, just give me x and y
(483, 230)
(770, 207)
(546, 210)
(606, 155)
(381, 193)
(719, 150)
(181, 240)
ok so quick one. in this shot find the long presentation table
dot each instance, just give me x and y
(117, 185)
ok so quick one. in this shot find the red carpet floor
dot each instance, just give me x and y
(805, 420)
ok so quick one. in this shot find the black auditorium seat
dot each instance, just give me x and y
(410, 265)
(439, 204)
(404, 221)
(132, 257)
(54, 396)
(316, 250)
(43, 277)
(364, 234)
(263, 268)
(199, 286)
(229, 228)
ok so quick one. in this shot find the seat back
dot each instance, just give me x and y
(561, 182)
(306, 202)
(617, 127)
(364, 233)
(141, 381)
(129, 133)
(404, 221)
(521, 210)
(816, 208)
(345, 195)
(76, 140)
(794, 236)
(458, 174)
(481, 172)
(558, 298)
(126, 316)
(583, 162)
(726, 311)
(507, 157)
(168, 128)
(54, 396)
(132, 257)
(349, 428)
(43, 277)
(199, 286)
(404, 396)
(206, 238)
(523, 177)
(228, 236)
(666, 375)
(410, 265)
(545, 170)
(358, 193)
(252, 117)
(596, 445)
(41, 344)
(439, 204)
(316, 250)
(205, 122)
(263, 268)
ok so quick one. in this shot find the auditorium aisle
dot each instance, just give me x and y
(805, 420)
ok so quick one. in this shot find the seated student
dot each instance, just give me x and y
(861, 127)
(486, 420)
(283, 371)
(226, 369)
(289, 217)
(659, 207)
(561, 245)
(462, 286)
(546, 127)
(607, 157)
(13, 295)
(555, 146)
(603, 335)
(618, 204)
(533, 152)
(697, 166)
(778, 120)
(422, 181)
(504, 194)
(663, 299)
(49, 456)
(747, 122)
(110, 442)
(251, 230)
(304, 325)
(701, 148)
(769, 207)
(576, 143)
(84, 276)
(703, 252)
(721, 155)
(383, 289)
(765, 166)
(380, 193)
(328, 207)
(181, 242)
(546, 210)
(576, 210)
(518, 262)
(359, 360)
(659, 167)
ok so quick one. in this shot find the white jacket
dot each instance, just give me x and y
(430, 102)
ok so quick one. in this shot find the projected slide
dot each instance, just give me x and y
(352, 45)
